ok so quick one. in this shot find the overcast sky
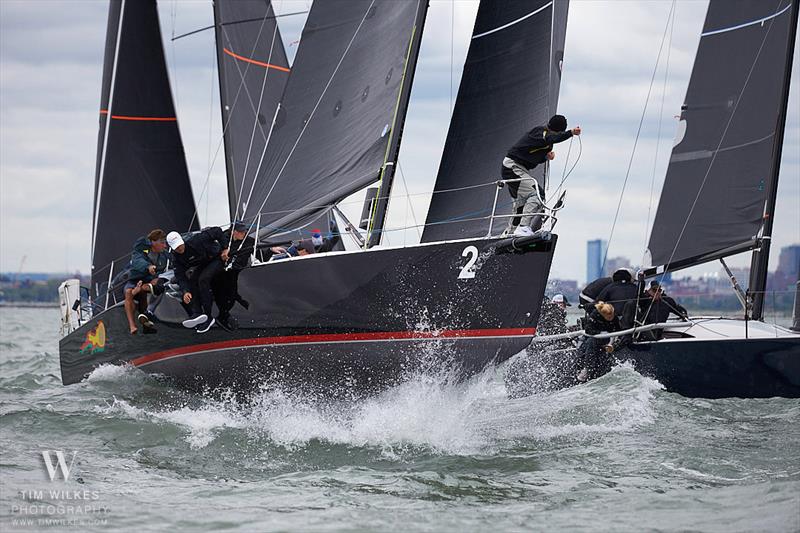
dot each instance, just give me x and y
(50, 73)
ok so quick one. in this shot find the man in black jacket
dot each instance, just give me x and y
(655, 308)
(622, 289)
(198, 259)
(533, 149)
(588, 296)
(225, 284)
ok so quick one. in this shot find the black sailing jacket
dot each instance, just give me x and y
(657, 311)
(618, 293)
(532, 148)
(201, 248)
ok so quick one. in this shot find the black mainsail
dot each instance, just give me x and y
(334, 123)
(141, 180)
(253, 70)
(718, 196)
(510, 84)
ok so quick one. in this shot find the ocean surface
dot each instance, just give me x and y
(617, 454)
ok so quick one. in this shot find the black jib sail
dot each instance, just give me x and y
(253, 70)
(141, 181)
(724, 163)
(510, 84)
(335, 120)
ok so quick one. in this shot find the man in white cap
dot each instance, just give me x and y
(561, 301)
(201, 252)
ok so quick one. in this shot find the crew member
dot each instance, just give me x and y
(148, 259)
(588, 296)
(199, 257)
(621, 290)
(534, 148)
(594, 359)
(225, 285)
(655, 308)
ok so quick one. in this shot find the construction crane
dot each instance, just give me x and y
(19, 271)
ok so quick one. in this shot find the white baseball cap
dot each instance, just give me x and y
(557, 299)
(174, 239)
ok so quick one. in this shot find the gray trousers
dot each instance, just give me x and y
(527, 202)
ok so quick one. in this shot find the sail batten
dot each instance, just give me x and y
(510, 84)
(723, 164)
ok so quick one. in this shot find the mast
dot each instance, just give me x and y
(378, 219)
(760, 261)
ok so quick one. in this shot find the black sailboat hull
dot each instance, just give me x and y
(721, 368)
(358, 319)
(707, 368)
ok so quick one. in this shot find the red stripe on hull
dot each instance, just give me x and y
(333, 338)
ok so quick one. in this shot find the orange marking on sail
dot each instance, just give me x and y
(253, 61)
(127, 117)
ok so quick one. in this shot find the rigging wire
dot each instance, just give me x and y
(655, 160)
(565, 173)
(408, 199)
(658, 137)
(210, 113)
(256, 124)
(222, 136)
(452, 39)
(314, 110)
(636, 140)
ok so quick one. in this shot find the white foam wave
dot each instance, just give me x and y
(430, 413)
(202, 424)
(109, 372)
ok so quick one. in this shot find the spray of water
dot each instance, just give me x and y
(433, 411)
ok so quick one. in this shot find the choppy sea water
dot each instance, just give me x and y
(617, 454)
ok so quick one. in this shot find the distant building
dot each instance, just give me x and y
(787, 273)
(595, 251)
(615, 263)
(789, 261)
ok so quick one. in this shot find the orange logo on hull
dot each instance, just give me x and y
(95, 340)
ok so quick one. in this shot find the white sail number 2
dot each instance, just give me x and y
(466, 270)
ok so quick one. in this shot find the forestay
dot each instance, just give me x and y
(141, 180)
(510, 84)
(253, 70)
(724, 162)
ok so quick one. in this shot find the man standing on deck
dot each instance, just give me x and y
(533, 149)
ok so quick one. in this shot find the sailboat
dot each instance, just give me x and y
(718, 200)
(298, 139)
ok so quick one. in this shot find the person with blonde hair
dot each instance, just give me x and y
(594, 359)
